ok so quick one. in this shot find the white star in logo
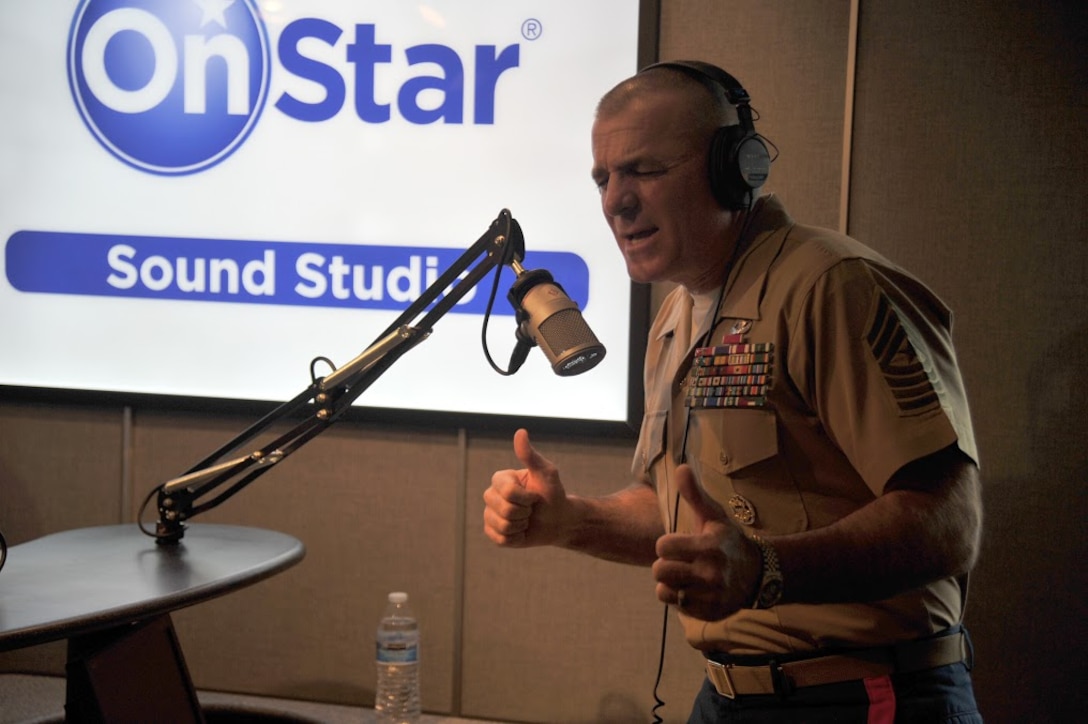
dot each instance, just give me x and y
(213, 11)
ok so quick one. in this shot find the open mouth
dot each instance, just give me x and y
(640, 235)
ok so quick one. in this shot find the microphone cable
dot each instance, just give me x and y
(521, 350)
(515, 250)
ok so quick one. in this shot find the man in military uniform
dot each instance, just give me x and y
(806, 485)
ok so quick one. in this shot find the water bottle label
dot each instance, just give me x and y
(397, 653)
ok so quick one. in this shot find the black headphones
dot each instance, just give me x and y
(739, 160)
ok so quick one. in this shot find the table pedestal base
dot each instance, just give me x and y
(131, 673)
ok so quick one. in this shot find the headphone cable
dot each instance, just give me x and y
(658, 701)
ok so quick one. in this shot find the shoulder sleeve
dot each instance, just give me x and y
(872, 353)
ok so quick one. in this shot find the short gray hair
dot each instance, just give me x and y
(708, 100)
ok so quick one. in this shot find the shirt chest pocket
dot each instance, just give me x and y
(741, 465)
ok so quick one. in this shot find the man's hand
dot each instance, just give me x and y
(715, 569)
(526, 507)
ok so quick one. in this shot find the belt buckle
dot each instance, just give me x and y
(719, 677)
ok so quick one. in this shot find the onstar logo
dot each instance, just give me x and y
(175, 86)
(169, 87)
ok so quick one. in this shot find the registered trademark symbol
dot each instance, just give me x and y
(531, 29)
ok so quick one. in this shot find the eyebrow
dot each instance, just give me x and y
(631, 165)
(600, 173)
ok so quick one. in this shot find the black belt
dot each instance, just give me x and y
(733, 680)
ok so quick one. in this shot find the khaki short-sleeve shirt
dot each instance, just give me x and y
(826, 370)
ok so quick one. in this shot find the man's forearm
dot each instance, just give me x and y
(622, 527)
(906, 538)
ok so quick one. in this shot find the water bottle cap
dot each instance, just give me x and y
(398, 597)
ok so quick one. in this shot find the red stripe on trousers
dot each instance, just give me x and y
(881, 700)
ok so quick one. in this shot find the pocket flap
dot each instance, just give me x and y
(735, 438)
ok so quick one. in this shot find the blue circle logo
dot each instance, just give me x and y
(169, 87)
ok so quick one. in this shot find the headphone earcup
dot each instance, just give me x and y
(739, 163)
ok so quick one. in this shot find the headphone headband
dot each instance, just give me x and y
(704, 72)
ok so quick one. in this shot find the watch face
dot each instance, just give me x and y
(770, 592)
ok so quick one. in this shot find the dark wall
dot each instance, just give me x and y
(970, 165)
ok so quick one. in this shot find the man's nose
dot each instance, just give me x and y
(619, 199)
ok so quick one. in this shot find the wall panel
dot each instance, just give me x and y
(970, 169)
(792, 59)
(60, 468)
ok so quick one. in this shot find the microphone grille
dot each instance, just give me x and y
(566, 329)
(569, 343)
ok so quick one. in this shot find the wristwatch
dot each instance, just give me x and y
(770, 586)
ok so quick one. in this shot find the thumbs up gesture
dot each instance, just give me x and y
(526, 507)
(712, 571)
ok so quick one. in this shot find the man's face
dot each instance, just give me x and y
(650, 164)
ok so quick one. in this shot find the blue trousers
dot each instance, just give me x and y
(936, 696)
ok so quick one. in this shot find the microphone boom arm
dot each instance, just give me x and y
(327, 398)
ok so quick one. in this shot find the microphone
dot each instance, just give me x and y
(548, 317)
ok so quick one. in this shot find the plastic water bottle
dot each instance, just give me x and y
(397, 698)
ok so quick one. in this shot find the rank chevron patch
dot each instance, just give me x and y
(903, 370)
